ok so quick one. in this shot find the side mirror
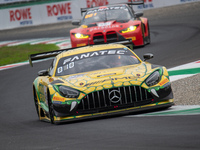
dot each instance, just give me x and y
(76, 22)
(147, 56)
(43, 73)
(138, 14)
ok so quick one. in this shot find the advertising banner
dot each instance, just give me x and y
(56, 12)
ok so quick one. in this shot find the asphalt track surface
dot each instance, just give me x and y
(175, 33)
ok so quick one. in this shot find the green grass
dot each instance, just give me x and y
(20, 53)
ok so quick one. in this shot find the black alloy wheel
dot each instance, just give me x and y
(51, 111)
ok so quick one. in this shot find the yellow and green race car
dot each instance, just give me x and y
(98, 80)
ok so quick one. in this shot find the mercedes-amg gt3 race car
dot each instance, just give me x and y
(111, 23)
(98, 80)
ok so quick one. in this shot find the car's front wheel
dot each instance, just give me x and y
(51, 111)
(149, 36)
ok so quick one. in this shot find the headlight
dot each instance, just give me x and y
(68, 92)
(153, 79)
(129, 29)
(81, 36)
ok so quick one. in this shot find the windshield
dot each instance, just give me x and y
(102, 14)
(96, 60)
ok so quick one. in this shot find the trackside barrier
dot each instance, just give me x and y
(12, 1)
(47, 12)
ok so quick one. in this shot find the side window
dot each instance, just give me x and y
(52, 67)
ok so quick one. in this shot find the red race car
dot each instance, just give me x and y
(110, 23)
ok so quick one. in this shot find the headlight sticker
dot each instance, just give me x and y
(56, 98)
(163, 82)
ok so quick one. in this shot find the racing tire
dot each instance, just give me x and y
(36, 102)
(142, 26)
(149, 36)
(51, 111)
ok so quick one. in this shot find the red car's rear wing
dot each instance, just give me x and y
(50, 54)
(138, 2)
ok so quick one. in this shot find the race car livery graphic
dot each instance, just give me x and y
(111, 23)
(98, 80)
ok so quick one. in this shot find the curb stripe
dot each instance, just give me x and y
(22, 42)
(179, 112)
(184, 72)
(173, 111)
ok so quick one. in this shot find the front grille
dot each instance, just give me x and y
(98, 38)
(111, 36)
(102, 100)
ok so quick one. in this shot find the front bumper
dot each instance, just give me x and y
(125, 111)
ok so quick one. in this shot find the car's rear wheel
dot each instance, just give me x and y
(51, 111)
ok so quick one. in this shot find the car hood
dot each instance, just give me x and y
(107, 78)
(99, 26)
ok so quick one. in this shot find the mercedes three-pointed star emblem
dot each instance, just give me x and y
(114, 96)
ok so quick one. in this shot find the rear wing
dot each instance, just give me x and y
(138, 2)
(50, 54)
(45, 55)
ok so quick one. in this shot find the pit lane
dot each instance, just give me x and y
(175, 35)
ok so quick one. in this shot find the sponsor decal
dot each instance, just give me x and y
(51, 79)
(107, 75)
(22, 15)
(95, 3)
(62, 11)
(64, 18)
(163, 82)
(75, 76)
(56, 98)
(102, 24)
(183, 1)
(100, 9)
(95, 53)
(111, 79)
(104, 27)
(82, 44)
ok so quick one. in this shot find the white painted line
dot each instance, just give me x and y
(55, 41)
(41, 41)
(173, 111)
(178, 77)
(22, 42)
(195, 64)
(4, 42)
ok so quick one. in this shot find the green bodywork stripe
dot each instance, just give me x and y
(184, 72)
(44, 107)
(5, 6)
